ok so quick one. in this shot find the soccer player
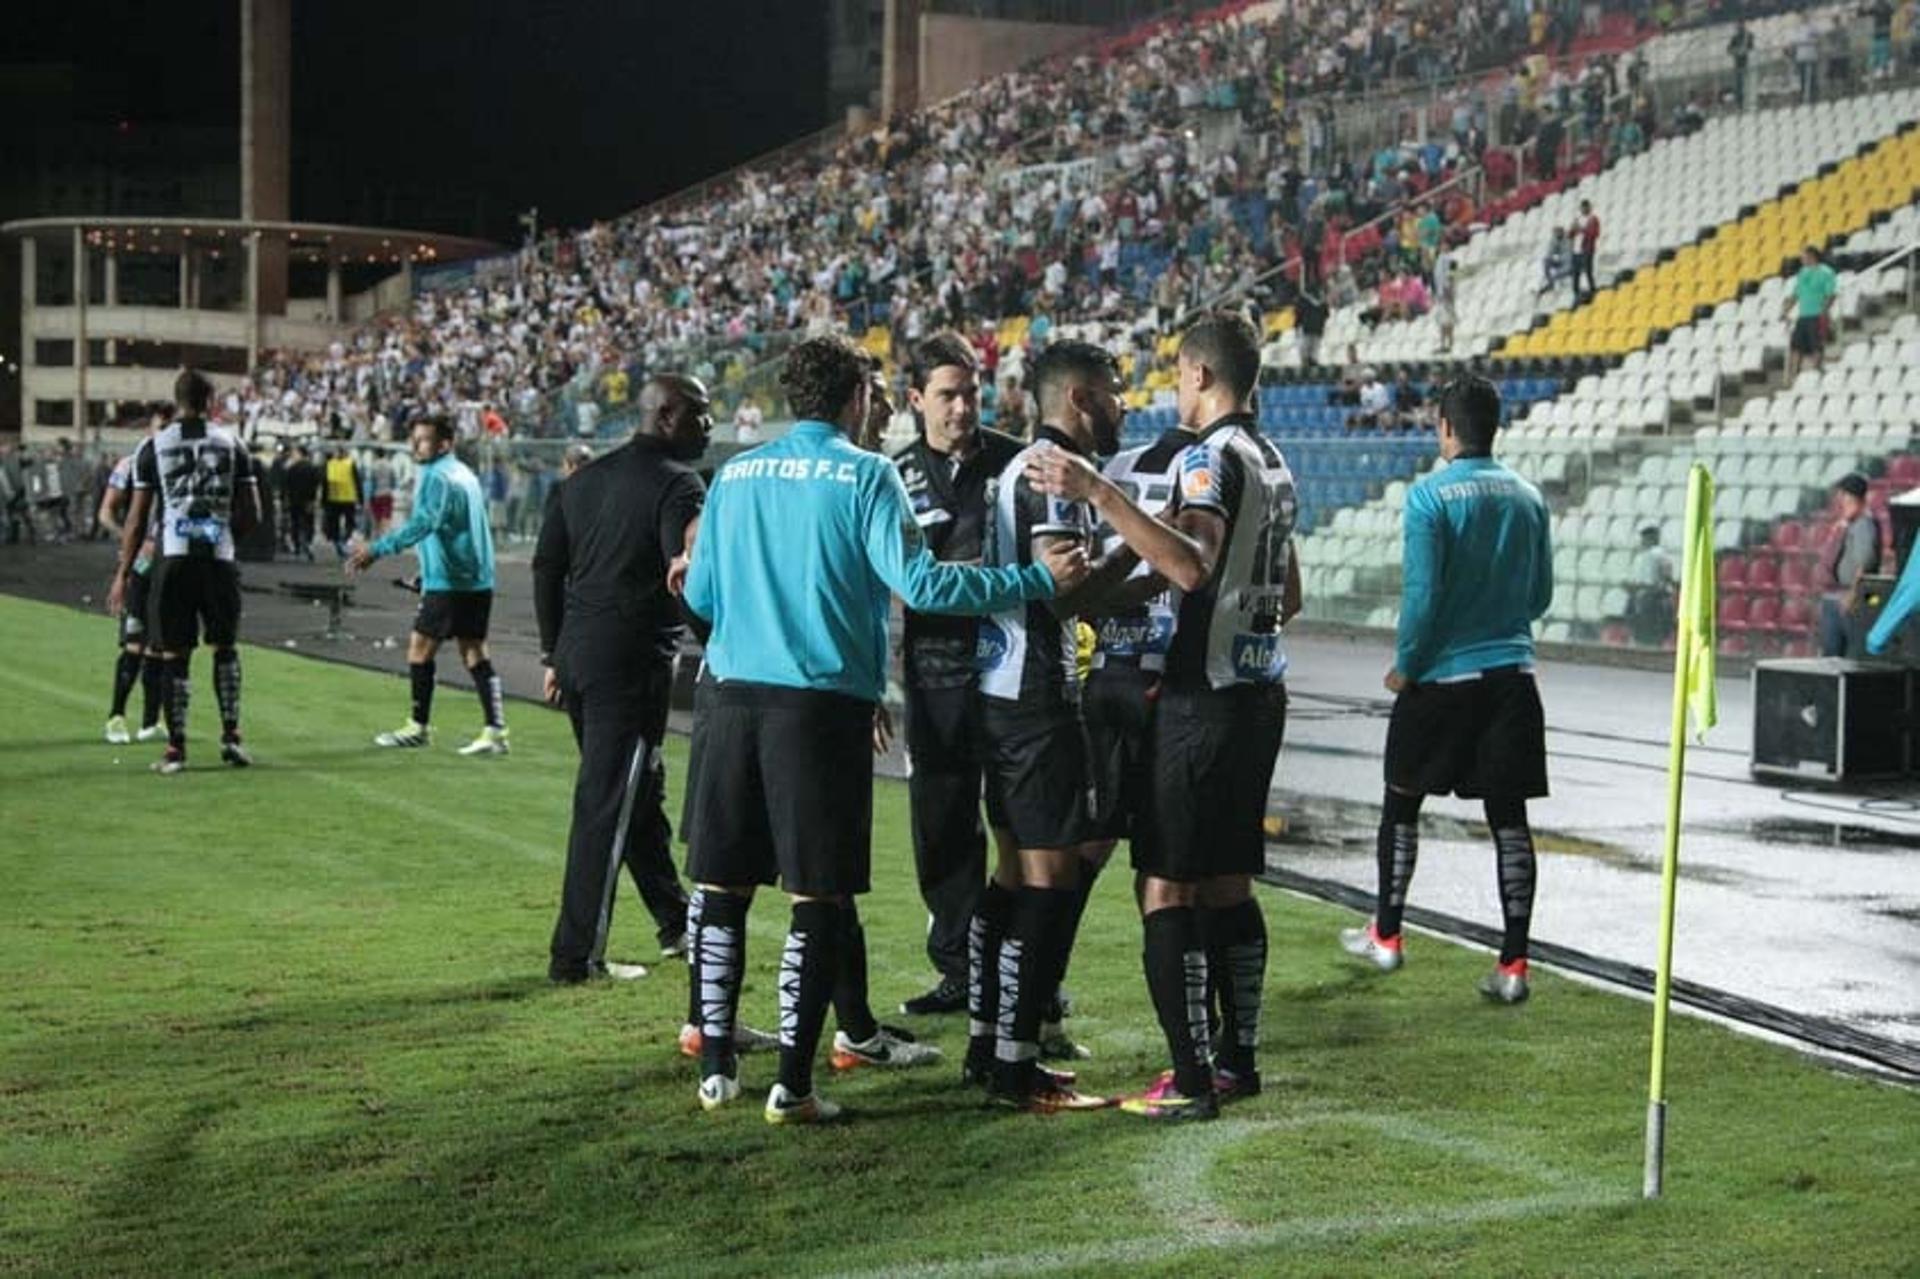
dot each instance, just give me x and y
(1039, 781)
(452, 537)
(609, 630)
(800, 544)
(1226, 542)
(132, 665)
(860, 1038)
(201, 480)
(1132, 633)
(948, 471)
(1476, 571)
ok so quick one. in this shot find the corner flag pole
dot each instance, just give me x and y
(1693, 677)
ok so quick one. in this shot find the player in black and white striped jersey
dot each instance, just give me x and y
(1131, 640)
(133, 662)
(1039, 783)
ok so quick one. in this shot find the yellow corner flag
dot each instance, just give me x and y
(1693, 689)
(1699, 601)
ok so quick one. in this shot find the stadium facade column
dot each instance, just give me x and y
(110, 296)
(29, 325)
(266, 36)
(900, 58)
(79, 328)
(253, 298)
(333, 290)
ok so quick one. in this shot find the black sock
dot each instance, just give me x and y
(716, 963)
(420, 674)
(807, 967)
(126, 673)
(1029, 974)
(850, 1007)
(153, 695)
(1514, 862)
(487, 685)
(226, 690)
(1237, 963)
(985, 932)
(1089, 873)
(1176, 967)
(1396, 850)
(179, 697)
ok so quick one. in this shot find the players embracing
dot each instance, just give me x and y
(1224, 541)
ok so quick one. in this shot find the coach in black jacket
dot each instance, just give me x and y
(609, 629)
(949, 472)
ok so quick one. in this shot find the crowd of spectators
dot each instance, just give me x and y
(1178, 163)
(50, 493)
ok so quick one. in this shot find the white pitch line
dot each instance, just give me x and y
(1173, 1181)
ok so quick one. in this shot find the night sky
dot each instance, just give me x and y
(586, 108)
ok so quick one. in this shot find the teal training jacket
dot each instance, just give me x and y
(448, 529)
(1476, 571)
(800, 544)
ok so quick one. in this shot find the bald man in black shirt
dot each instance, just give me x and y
(609, 628)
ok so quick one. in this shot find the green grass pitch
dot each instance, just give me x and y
(294, 1021)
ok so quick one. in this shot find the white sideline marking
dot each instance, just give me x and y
(1173, 1185)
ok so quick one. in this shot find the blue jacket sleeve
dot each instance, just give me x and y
(1423, 563)
(1541, 598)
(699, 591)
(898, 553)
(1900, 605)
(429, 507)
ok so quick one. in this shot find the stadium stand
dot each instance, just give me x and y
(1648, 205)
(1186, 161)
(887, 232)
(1740, 253)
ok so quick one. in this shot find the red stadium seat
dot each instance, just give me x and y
(1903, 471)
(1796, 575)
(1733, 571)
(1764, 614)
(1734, 644)
(1763, 573)
(1787, 535)
(1733, 614)
(1796, 616)
(1798, 648)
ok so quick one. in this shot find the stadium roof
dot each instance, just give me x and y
(307, 241)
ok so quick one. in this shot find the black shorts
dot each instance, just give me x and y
(1213, 756)
(193, 597)
(137, 615)
(1808, 334)
(946, 746)
(780, 789)
(1039, 784)
(1483, 738)
(1118, 705)
(454, 614)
